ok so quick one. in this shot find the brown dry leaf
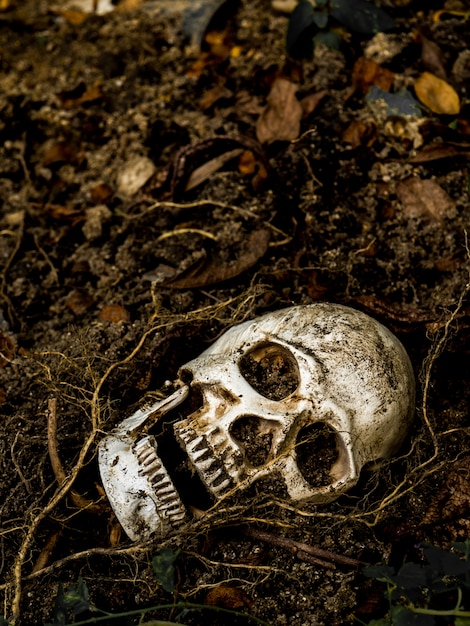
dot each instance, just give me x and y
(214, 95)
(219, 44)
(126, 6)
(425, 198)
(431, 56)
(228, 597)
(79, 301)
(200, 174)
(310, 102)
(101, 193)
(75, 18)
(114, 313)
(219, 49)
(452, 504)
(115, 534)
(59, 212)
(280, 119)
(7, 349)
(80, 95)
(359, 134)
(212, 270)
(437, 95)
(247, 163)
(437, 151)
(403, 314)
(367, 73)
(250, 165)
(61, 152)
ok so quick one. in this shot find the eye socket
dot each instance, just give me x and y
(271, 370)
(317, 454)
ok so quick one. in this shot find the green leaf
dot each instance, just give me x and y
(463, 547)
(163, 566)
(74, 599)
(411, 576)
(446, 563)
(462, 621)
(320, 18)
(383, 573)
(3, 621)
(328, 38)
(361, 16)
(301, 29)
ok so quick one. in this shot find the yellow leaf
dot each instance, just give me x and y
(437, 95)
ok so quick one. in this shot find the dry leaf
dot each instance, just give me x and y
(80, 95)
(425, 198)
(126, 6)
(79, 301)
(452, 504)
(216, 94)
(280, 120)
(310, 102)
(7, 349)
(200, 174)
(62, 152)
(358, 133)
(75, 18)
(114, 313)
(431, 56)
(249, 164)
(228, 597)
(101, 193)
(212, 270)
(437, 94)
(437, 151)
(367, 73)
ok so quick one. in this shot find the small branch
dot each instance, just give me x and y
(315, 555)
(78, 500)
(46, 552)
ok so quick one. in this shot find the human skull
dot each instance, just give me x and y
(306, 396)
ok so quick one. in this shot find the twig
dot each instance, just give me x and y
(36, 521)
(17, 465)
(46, 552)
(85, 554)
(319, 556)
(78, 500)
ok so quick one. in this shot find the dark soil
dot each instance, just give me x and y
(112, 279)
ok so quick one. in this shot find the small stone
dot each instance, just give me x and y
(134, 174)
(95, 216)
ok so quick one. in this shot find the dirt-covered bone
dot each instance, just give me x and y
(309, 393)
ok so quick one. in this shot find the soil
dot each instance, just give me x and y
(130, 241)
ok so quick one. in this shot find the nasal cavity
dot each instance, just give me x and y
(253, 435)
(317, 452)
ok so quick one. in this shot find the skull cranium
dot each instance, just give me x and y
(278, 394)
